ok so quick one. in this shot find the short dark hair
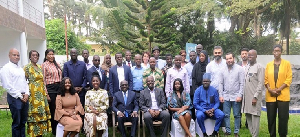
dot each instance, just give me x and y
(192, 51)
(169, 55)
(118, 53)
(62, 90)
(245, 49)
(95, 75)
(86, 50)
(231, 54)
(31, 51)
(278, 46)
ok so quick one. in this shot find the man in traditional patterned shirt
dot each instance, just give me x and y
(155, 72)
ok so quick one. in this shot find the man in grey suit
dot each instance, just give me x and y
(153, 104)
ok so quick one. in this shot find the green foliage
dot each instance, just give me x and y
(235, 42)
(56, 37)
(294, 45)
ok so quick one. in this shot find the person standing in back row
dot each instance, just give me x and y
(278, 78)
(252, 98)
(159, 62)
(231, 92)
(52, 77)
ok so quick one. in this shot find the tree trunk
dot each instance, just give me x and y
(210, 24)
(288, 25)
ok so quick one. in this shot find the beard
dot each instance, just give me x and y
(217, 57)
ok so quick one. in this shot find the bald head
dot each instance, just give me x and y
(14, 56)
(124, 85)
(152, 62)
(73, 54)
(252, 55)
(150, 82)
(138, 60)
(199, 48)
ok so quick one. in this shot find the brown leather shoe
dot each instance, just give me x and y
(236, 135)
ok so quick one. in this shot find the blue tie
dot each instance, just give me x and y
(125, 100)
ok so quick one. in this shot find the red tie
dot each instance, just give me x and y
(129, 64)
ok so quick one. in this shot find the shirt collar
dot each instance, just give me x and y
(150, 89)
(120, 66)
(138, 68)
(176, 68)
(13, 64)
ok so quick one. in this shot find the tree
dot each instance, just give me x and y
(56, 37)
(140, 25)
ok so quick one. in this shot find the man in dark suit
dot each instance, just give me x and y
(125, 106)
(96, 68)
(153, 103)
(117, 74)
(128, 60)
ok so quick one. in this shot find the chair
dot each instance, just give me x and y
(177, 130)
(6, 107)
(209, 126)
(60, 131)
(126, 124)
(155, 123)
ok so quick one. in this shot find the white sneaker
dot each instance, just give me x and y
(224, 129)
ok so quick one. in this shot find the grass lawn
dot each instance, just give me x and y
(294, 126)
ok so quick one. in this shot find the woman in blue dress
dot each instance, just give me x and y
(180, 104)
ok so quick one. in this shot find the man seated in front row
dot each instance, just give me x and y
(153, 103)
(206, 102)
(125, 106)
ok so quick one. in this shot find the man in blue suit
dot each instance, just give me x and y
(125, 106)
(119, 73)
(96, 68)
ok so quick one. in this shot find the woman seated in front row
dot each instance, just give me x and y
(68, 108)
(96, 104)
(180, 103)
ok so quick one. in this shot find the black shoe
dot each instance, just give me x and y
(205, 135)
(227, 134)
(214, 134)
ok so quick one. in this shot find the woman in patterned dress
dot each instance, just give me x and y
(180, 103)
(96, 104)
(38, 112)
(68, 108)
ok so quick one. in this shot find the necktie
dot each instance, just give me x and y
(156, 65)
(125, 100)
(129, 64)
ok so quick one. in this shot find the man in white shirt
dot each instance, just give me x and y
(119, 73)
(13, 80)
(153, 104)
(159, 62)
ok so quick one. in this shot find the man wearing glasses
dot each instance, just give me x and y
(96, 67)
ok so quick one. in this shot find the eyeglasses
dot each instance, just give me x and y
(97, 60)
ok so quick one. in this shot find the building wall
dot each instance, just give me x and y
(9, 39)
(39, 46)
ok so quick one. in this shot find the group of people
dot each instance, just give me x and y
(77, 95)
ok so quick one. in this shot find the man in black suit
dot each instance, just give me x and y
(153, 103)
(125, 106)
(117, 74)
(128, 60)
(94, 68)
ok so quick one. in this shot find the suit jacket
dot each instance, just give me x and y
(114, 80)
(89, 73)
(132, 63)
(146, 101)
(119, 104)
